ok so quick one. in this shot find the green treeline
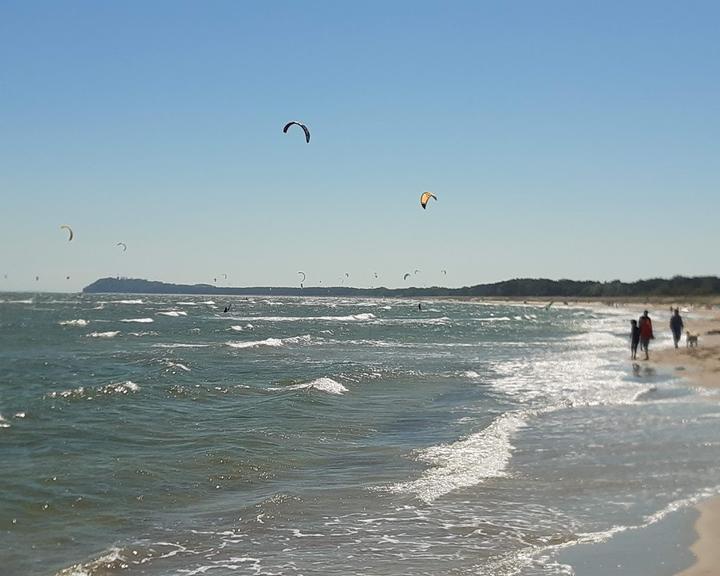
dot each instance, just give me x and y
(517, 288)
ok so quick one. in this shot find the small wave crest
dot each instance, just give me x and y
(138, 320)
(179, 345)
(270, 342)
(170, 365)
(323, 384)
(110, 334)
(467, 462)
(87, 393)
(78, 322)
(173, 313)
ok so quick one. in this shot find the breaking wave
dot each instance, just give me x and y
(321, 384)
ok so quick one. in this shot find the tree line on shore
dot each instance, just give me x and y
(516, 288)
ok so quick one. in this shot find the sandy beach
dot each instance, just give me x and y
(700, 366)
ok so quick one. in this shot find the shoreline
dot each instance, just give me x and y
(700, 367)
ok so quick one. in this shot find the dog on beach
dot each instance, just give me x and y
(691, 340)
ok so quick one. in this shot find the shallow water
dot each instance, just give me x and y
(156, 435)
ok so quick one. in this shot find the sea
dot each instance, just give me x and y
(159, 435)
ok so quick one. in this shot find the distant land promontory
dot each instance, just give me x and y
(699, 286)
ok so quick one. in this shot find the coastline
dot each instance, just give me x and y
(701, 367)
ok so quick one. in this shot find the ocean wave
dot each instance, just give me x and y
(170, 364)
(138, 320)
(467, 462)
(4, 423)
(87, 393)
(138, 301)
(323, 384)
(180, 345)
(271, 342)
(108, 563)
(364, 317)
(26, 301)
(110, 334)
(236, 328)
(146, 333)
(173, 313)
(78, 322)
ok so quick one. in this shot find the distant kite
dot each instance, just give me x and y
(305, 129)
(425, 198)
(124, 246)
(444, 272)
(69, 230)
(406, 276)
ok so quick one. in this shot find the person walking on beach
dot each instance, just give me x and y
(634, 339)
(646, 333)
(676, 325)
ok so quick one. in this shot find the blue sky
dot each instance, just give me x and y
(562, 139)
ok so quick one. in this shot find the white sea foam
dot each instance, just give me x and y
(138, 320)
(138, 301)
(321, 384)
(179, 345)
(364, 317)
(236, 328)
(467, 462)
(146, 333)
(171, 364)
(187, 303)
(4, 423)
(20, 415)
(173, 313)
(78, 322)
(27, 301)
(110, 334)
(271, 342)
(110, 561)
(88, 393)
(471, 374)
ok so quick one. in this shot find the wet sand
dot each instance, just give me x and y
(700, 366)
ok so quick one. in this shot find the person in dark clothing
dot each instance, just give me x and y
(676, 325)
(634, 339)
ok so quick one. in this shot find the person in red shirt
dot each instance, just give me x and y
(646, 333)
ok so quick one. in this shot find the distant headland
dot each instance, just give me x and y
(700, 286)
